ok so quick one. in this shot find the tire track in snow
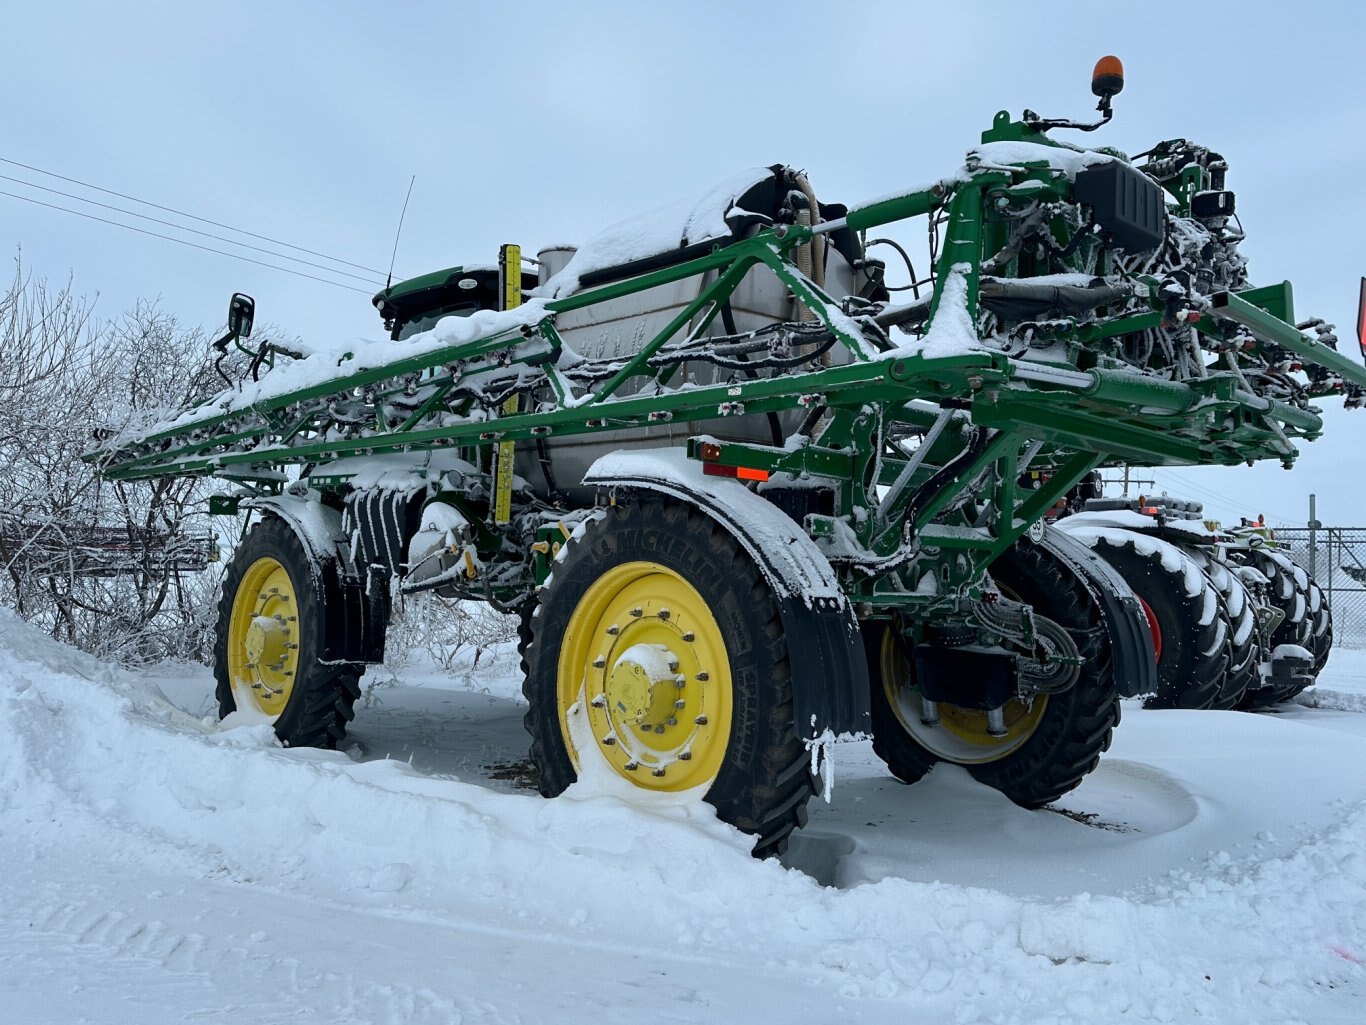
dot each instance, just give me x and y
(301, 992)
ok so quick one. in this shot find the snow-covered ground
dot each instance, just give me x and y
(159, 868)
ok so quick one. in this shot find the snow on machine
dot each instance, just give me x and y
(748, 497)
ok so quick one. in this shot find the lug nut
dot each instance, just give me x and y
(599, 702)
(673, 665)
(689, 637)
(659, 729)
(637, 613)
(631, 766)
(679, 703)
(599, 662)
(671, 721)
(657, 772)
(613, 630)
(609, 740)
(701, 720)
(680, 682)
(685, 756)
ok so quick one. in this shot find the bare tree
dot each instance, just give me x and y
(98, 564)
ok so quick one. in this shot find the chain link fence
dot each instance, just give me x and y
(1336, 558)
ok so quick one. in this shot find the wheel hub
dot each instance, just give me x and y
(641, 687)
(263, 648)
(266, 639)
(651, 661)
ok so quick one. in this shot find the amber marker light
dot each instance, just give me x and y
(1108, 77)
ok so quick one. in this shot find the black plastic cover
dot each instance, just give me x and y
(967, 677)
(1212, 204)
(1127, 204)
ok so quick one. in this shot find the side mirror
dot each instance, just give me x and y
(241, 312)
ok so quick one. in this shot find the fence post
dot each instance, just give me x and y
(1313, 537)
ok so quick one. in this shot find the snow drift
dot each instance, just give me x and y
(1212, 870)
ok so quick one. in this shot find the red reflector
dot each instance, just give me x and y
(1148, 510)
(741, 472)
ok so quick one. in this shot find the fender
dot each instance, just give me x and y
(360, 635)
(1131, 641)
(829, 668)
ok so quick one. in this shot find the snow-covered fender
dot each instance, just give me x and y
(1131, 641)
(829, 669)
(355, 633)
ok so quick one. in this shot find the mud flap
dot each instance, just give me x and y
(1131, 641)
(359, 636)
(829, 669)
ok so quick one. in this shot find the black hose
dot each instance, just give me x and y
(910, 267)
(543, 454)
(775, 426)
(947, 474)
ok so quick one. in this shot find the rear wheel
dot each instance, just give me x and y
(1321, 626)
(1287, 588)
(657, 654)
(1051, 741)
(1243, 645)
(272, 639)
(1190, 633)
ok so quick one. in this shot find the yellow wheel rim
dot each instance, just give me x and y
(263, 637)
(961, 734)
(645, 654)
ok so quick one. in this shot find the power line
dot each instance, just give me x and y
(183, 227)
(186, 242)
(193, 217)
(1212, 493)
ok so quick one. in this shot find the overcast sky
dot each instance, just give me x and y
(539, 123)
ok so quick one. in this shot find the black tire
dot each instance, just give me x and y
(1321, 626)
(319, 700)
(761, 782)
(1244, 644)
(1189, 631)
(1287, 588)
(1068, 734)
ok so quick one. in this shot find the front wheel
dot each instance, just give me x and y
(657, 652)
(273, 640)
(1050, 742)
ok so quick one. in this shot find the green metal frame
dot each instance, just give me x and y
(1067, 416)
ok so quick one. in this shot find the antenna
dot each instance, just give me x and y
(390, 279)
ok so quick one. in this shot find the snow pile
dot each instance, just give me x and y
(208, 874)
(343, 359)
(1174, 560)
(666, 228)
(1060, 157)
